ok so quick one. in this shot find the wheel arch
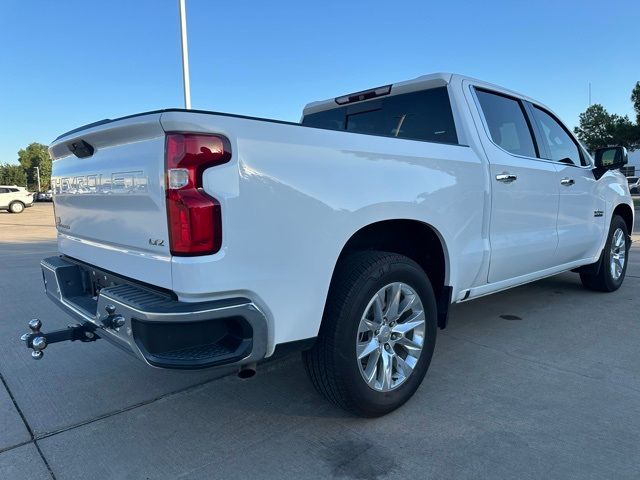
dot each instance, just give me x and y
(626, 213)
(415, 239)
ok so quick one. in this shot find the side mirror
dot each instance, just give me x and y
(611, 158)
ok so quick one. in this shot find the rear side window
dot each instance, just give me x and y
(4, 190)
(560, 147)
(425, 115)
(507, 123)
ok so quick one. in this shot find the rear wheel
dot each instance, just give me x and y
(613, 261)
(16, 207)
(377, 336)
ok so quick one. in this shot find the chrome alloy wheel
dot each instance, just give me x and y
(390, 337)
(618, 253)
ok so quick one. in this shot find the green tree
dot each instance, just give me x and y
(635, 98)
(36, 155)
(12, 175)
(594, 128)
(625, 132)
(599, 128)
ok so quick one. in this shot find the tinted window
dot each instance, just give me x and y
(4, 190)
(329, 119)
(507, 124)
(559, 145)
(424, 115)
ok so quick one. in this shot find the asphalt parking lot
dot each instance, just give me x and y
(550, 391)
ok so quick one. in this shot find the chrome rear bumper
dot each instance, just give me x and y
(153, 325)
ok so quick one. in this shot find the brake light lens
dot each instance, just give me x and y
(195, 220)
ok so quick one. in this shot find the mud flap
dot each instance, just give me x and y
(443, 302)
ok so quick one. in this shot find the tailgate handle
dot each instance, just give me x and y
(81, 149)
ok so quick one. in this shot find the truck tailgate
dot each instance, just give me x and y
(110, 204)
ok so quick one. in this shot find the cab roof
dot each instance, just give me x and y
(422, 82)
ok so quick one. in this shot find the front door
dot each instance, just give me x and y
(581, 221)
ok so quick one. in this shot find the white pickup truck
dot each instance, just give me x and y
(196, 239)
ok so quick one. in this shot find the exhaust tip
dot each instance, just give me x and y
(247, 371)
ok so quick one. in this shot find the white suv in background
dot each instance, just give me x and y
(14, 199)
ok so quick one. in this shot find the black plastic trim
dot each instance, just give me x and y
(81, 149)
(161, 343)
(285, 349)
(443, 303)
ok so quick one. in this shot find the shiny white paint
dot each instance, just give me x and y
(579, 232)
(109, 206)
(522, 231)
(292, 196)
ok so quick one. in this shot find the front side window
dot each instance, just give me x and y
(507, 123)
(4, 190)
(422, 115)
(560, 147)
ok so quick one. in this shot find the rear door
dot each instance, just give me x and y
(524, 190)
(581, 221)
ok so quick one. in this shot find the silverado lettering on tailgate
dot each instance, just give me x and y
(133, 182)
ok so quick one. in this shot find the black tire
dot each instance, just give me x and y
(16, 207)
(332, 363)
(604, 281)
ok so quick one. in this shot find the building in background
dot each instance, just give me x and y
(632, 169)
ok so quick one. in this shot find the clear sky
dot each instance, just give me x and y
(67, 63)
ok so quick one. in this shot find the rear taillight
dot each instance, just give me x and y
(195, 221)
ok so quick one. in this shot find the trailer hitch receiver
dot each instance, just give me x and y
(38, 341)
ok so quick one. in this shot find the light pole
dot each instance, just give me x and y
(185, 55)
(38, 176)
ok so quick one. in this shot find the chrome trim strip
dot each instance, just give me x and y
(114, 248)
(190, 313)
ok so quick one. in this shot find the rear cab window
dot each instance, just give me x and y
(422, 115)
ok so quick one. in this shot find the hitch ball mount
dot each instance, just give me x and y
(38, 340)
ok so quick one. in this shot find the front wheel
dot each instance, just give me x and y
(377, 336)
(613, 260)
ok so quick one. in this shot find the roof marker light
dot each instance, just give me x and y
(364, 95)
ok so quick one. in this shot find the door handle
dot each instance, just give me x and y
(567, 182)
(506, 177)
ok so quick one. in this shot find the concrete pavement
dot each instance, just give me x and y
(542, 381)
